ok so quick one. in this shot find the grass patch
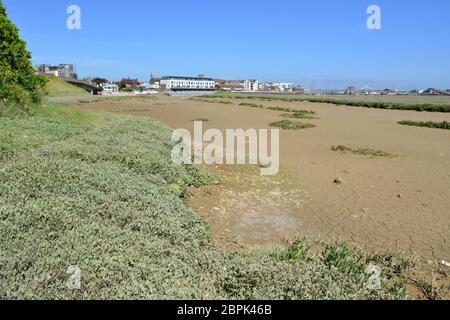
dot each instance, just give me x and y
(292, 113)
(201, 119)
(428, 124)
(299, 250)
(57, 87)
(252, 105)
(211, 100)
(361, 151)
(291, 125)
(292, 110)
(300, 114)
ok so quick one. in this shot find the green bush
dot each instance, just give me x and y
(361, 151)
(299, 250)
(252, 105)
(428, 124)
(291, 125)
(19, 85)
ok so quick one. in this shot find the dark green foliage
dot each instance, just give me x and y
(363, 102)
(342, 258)
(299, 250)
(252, 105)
(20, 87)
(428, 124)
(299, 111)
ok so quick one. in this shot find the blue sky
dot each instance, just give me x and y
(299, 41)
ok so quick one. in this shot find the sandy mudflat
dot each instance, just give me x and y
(384, 203)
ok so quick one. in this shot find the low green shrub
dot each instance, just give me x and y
(428, 124)
(299, 250)
(252, 105)
(291, 125)
(361, 151)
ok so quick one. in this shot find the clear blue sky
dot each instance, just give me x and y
(285, 40)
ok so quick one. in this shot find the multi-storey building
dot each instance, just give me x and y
(176, 83)
(59, 70)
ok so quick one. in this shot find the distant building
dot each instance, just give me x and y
(435, 92)
(155, 83)
(110, 88)
(286, 87)
(130, 83)
(177, 83)
(299, 90)
(250, 85)
(230, 85)
(58, 70)
(276, 87)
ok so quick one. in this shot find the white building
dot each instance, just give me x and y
(58, 70)
(150, 86)
(250, 85)
(187, 83)
(278, 87)
(110, 88)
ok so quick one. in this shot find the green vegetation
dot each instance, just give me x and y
(361, 151)
(201, 119)
(298, 115)
(20, 87)
(291, 125)
(293, 113)
(59, 88)
(299, 250)
(428, 124)
(252, 105)
(416, 103)
(210, 101)
(291, 110)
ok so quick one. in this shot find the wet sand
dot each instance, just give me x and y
(399, 204)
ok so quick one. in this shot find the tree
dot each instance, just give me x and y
(19, 85)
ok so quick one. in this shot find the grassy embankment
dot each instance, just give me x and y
(99, 191)
(416, 103)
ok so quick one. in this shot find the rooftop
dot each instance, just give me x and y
(186, 78)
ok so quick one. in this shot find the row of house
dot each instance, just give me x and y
(200, 83)
(256, 86)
